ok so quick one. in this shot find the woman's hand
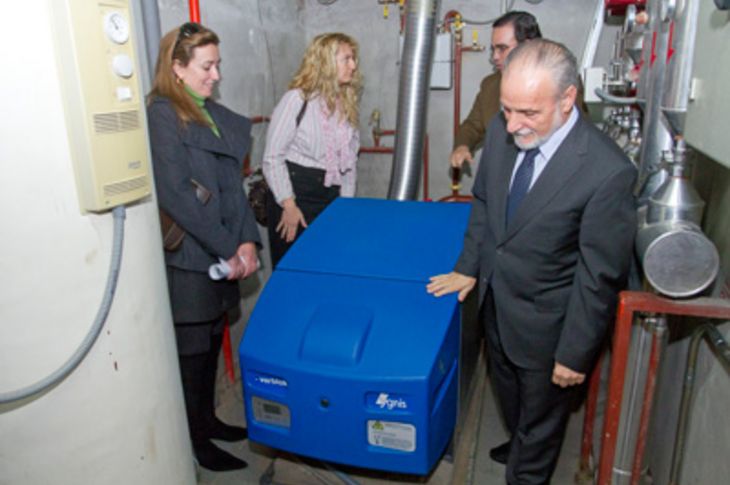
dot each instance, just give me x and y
(244, 263)
(290, 220)
(247, 253)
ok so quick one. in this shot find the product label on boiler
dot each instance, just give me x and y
(392, 435)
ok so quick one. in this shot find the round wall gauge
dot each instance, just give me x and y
(116, 27)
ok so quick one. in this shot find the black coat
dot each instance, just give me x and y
(555, 271)
(215, 229)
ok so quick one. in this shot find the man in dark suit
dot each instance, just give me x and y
(550, 238)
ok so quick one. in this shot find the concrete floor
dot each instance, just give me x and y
(291, 471)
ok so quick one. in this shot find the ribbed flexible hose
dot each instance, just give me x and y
(119, 214)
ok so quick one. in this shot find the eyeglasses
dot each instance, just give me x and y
(188, 29)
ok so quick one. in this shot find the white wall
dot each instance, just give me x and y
(118, 418)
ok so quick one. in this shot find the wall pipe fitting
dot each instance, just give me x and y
(413, 94)
(721, 350)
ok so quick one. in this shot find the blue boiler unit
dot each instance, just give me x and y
(346, 358)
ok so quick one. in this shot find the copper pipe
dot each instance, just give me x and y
(376, 149)
(456, 198)
(194, 10)
(456, 171)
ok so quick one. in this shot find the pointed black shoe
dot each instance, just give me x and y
(500, 453)
(222, 431)
(213, 458)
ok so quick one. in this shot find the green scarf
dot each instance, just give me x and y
(200, 101)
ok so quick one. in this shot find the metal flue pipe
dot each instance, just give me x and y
(415, 78)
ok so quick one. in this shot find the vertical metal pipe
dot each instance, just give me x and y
(150, 15)
(635, 382)
(658, 344)
(413, 93)
(656, 135)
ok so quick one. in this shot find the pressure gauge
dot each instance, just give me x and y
(116, 27)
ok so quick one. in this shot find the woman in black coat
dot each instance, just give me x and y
(197, 150)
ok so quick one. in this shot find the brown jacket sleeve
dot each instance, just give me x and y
(486, 105)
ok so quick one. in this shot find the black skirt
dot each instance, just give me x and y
(312, 197)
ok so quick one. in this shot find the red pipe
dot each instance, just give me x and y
(619, 357)
(589, 420)
(455, 171)
(194, 10)
(227, 352)
(376, 149)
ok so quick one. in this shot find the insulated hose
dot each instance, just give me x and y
(119, 214)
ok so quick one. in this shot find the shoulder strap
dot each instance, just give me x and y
(301, 112)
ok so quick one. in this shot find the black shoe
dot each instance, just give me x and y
(226, 432)
(213, 458)
(500, 453)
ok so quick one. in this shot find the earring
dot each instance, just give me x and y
(179, 80)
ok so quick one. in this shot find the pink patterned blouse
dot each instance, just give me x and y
(321, 141)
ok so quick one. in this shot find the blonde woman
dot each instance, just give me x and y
(313, 139)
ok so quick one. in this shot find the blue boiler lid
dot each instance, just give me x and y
(384, 239)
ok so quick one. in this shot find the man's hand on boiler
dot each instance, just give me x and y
(565, 377)
(444, 284)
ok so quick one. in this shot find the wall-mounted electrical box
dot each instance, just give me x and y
(103, 101)
(708, 112)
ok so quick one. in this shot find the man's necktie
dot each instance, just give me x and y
(521, 182)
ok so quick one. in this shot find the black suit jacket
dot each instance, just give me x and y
(555, 271)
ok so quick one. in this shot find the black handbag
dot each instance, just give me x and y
(257, 188)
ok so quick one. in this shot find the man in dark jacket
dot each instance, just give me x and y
(549, 238)
(508, 31)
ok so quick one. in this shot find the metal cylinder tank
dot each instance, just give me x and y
(678, 259)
